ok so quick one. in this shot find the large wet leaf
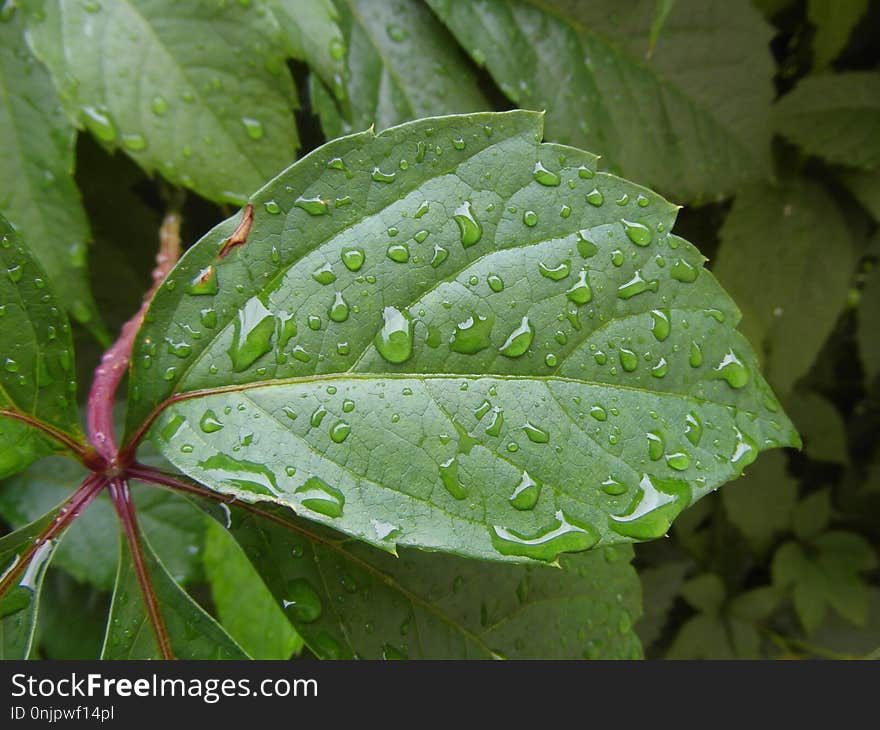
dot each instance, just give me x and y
(37, 191)
(836, 117)
(19, 605)
(36, 358)
(401, 64)
(454, 337)
(197, 91)
(193, 633)
(349, 600)
(684, 109)
(787, 257)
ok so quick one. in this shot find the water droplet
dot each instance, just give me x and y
(383, 177)
(468, 226)
(656, 445)
(696, 355)
(637, 285)
(586, 248)
(535, 433)
(353, 258)
(272, 207)
(496, 284)
(657, 503)
(252, 335)
(208, 318)
(398, 252)
(684, 271)
(209, 423)
(253, 127)
(638, 233)
(660, 324)
(247, 475)
(440, 255)
(324, 275)
(519, 340)
(530, 218)
(204, 283)
(678, 460)
(471, 335)
(563, 535)
(339, 431)
(302, 602)
(693, 428)
(339, 310)
(450, 480)
(744, 452)
(10, 365)
(555, 273)
(628, 359)
(395, 340)
(599, 413)
(100, 123)
(545, 176)
(312, 206)
(159, 105)
(580, 292)
(14, 273)
(319, 496)
(595, 197)
(526, 494)
(731, 368)
(613, 487)
(497, 423)
(423, 208)
(661, 367)
(134, 142)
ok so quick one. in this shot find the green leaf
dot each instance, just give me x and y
(312, 33)
(787, 258)
(524, 397)
(830, 575)
(37, 191)
(812, 514)
(19, 605)
(705, 592)
(245, 607)
(401, 64)
(760, 504)
(198, 92)
(72, 618)
(833, 21)
(704, 636)
(89, 550)
(36, 374)
(869, 324)
(835, 116)
(821, 427)
(192, 632)
(754, 605)
(660, 586)
(687, 114)
(865, 188)
(347, 599)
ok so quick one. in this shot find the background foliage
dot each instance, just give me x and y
(763, 119)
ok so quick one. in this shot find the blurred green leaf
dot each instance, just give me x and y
(245, 607)
(37, 192)
(833, 21)
(198, 92)
(812, 514)
(687, 114)
(821, 427)
(835, 117)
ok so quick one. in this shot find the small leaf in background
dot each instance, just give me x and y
(690, 120)
(821, 426)
(192, 632)
(833, 21)
(829, 575)
(787, 259)
(197, 92)
(660, 586)
(311, 31)
(72, 618)
(245, 607)
(37, 191)
(760, 504)
(869, 324)
(835, 117)
(812, 514)
(401, 64)
(347, 599)
(550, 370)
(36, 366)
(865, 187)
